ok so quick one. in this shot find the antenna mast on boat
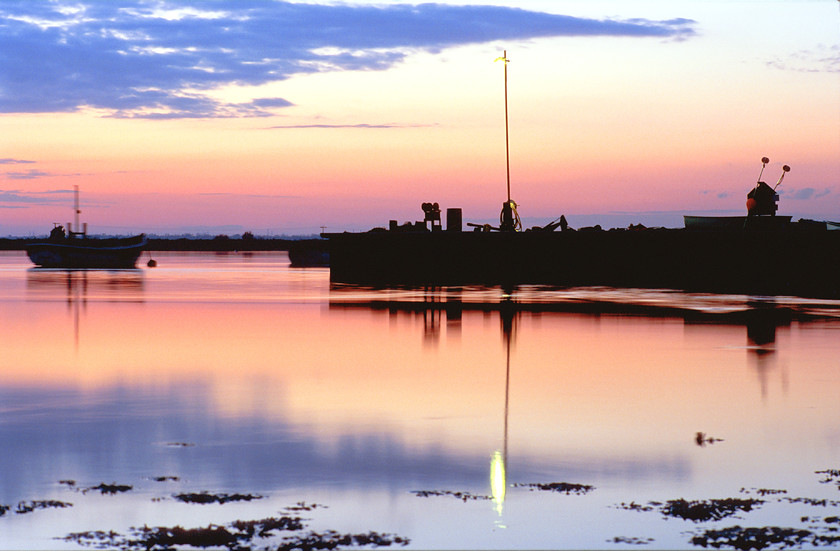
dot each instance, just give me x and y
(509, 218)
(507, 139)
(76, 229)
(76, 211)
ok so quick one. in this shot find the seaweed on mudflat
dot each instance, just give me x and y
(832, 476)
(96, 538)
(763, 491)
(109, 488)
(204, 498)
(332, 540)
(156, 538)
(463, 496)
(814, 502)
(562, 487)
(697, 511)
(28, 506)
(303, 506)
(712, 509)
(633, 506)
(736, 537)
(236, 535)
(263, 528)
(631, 540)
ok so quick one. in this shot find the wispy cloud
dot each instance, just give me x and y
(15, 162)
(160, 58)
(823, 59)
(360, 125)
(20, 199)
(32, 174)
(249, 195)
(36, 174)
(804, 194)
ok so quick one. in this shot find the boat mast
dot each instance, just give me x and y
(507, 140)
(509, 219)
(76, 210)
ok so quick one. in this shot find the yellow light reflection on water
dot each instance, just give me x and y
(498, 481)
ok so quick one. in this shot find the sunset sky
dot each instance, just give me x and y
(280, 117)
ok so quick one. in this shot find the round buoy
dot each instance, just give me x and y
(152, 263)
(751, 204)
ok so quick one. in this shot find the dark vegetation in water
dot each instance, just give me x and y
(102, 488)
(763, 491)
(631, 540)
(831, 476)
(701, 439)
(303, 506)
(288, 531)
(812, 501)
(713, 509)
(463, 496)
(110, 488)
(204, 498)
(562, 487)
(819, 532)
(736, 537)
(697, 511)
(28, 506)
(239, 534)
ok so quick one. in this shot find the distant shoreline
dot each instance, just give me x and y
(220, 244)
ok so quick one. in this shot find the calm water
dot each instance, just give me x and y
(235, 374)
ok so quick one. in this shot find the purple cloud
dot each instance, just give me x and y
(156, 59)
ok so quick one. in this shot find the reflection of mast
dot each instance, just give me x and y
(431, 316)
(762, 321)
(498, 464)
(76, 294)
(78, 286)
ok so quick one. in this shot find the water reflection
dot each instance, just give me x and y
(81, 285)
(283, 385)
(706, 319)
(498, 464)
(761, 316)
(762, 323)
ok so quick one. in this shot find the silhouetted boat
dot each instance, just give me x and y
(761, 210)
(87, 252)
(74, 249)
(309, 253)
(760, 253)
(737, 222)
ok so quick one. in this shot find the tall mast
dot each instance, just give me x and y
(507, 141)
(509, 219)
(76, 210)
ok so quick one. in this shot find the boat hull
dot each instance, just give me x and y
(767, 263)
(736, 222)
(87, 253)
(307, 253)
